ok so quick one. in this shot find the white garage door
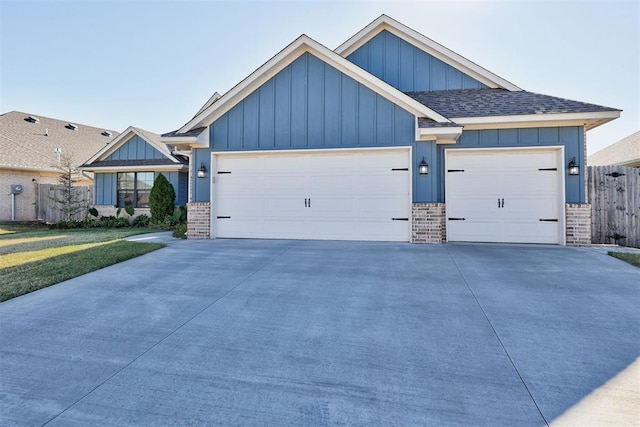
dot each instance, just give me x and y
(328, 195)
(511, 196)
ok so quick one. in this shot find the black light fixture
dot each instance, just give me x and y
(202, 170)
(423, 167)
(574, 168)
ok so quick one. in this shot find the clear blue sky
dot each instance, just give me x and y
(152, 64)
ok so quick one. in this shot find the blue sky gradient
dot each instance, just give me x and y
(152, 64)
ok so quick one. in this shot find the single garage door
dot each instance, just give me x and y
(325, 195)
(511, 196)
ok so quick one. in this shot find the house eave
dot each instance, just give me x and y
(134, 168)
(589, 120)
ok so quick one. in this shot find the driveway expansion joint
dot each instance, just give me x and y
(506, 352)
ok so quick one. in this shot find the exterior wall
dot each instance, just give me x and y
(198, 220)
(408, 68)
(25, 203)
(107, 192)
(571, 137)
(136, 148)
(578, 220)
(428, 223)
(307, 105)
(105, 189)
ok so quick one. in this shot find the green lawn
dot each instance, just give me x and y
(631, 258)
(33, 257)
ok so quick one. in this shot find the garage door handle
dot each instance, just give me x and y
(309, 201)
(399, 219)
(223, 217)
(548, 219)
(456, 219)
(502, 203)
(305, 202)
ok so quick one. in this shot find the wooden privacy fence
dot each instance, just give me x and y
(49, 211)
(614, 195)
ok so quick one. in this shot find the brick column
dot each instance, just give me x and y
(578, 224)
(199, 220)
(428, 223)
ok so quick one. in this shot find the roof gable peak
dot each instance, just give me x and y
(386, 23)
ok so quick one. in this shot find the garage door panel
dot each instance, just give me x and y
(353, 195)
(503, 195)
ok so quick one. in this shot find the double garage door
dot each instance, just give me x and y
(325, 195)
(514, 196)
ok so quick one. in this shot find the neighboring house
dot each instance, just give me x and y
(625, 152)
(390, 137)
(31, 149)
(126, 169)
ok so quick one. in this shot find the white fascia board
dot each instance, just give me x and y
(199, 141)
(427, 45)
(445, 135)
(285, 57)
(116, 143)
(591, 120)
(122, 139)
(211, 100)
(146, 168)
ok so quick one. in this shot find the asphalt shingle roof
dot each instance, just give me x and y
(499, 102)
(625, 152)
(424, 122)
(192, 132)
(32, 145)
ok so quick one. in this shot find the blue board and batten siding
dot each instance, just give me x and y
(135, 149)
(408, 68)
(311, 105)
(106, 187)
(307, 105)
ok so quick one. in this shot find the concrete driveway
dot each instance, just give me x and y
(316, 333)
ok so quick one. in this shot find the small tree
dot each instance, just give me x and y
(69, 199)
(161, 199)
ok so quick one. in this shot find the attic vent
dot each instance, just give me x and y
(106, 133)
(71, 126)
(32, 119)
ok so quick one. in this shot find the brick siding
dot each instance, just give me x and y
(428, 223)
(578, 224)
(198, 220)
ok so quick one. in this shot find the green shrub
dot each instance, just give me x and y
(129, 210)
(141, 221)
(93, 212)
(179, 231)
(161, 199)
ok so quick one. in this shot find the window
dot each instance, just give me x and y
(134, 189)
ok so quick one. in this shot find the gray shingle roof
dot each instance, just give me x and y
(424, 123)
(192, 132)
(625, 152)
(499, 102)
(32, 145)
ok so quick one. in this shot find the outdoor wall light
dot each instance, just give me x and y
(202, 170)
(423, 167)
(574, 168)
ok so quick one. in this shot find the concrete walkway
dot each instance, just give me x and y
(237, 332)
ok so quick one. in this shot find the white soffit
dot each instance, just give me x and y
(427, 45)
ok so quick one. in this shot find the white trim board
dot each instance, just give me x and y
(427, 45)
(123, 138)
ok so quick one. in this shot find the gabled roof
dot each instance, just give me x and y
(285, 57)
(468, 106)
(31, 145)
(625, 152)
(99, 158)
(427, 45)
(210, 101)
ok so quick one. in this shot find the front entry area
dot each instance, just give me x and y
(506, 196)
(362, 194)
